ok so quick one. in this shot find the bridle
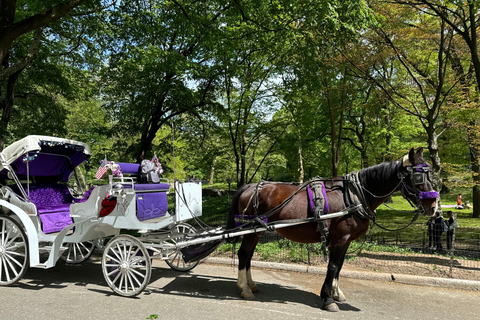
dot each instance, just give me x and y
(418, 175)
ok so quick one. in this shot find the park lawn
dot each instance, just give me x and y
(464, 215)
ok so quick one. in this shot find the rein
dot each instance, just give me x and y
(271, 212)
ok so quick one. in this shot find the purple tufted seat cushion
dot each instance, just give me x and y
(53, 205)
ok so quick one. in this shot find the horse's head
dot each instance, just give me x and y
(418, 183)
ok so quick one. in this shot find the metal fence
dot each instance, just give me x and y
(408, 252)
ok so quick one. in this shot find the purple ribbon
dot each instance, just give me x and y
(420, 165)
(428, 195)
(421, 194)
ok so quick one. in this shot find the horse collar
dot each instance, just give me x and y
(355, 191)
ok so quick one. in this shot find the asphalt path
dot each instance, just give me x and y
(209, 292)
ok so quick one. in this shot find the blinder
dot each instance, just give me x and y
(419, 175)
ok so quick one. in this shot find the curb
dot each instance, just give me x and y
(469, 285)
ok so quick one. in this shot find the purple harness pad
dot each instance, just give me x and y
(311, 204)
(421, 194)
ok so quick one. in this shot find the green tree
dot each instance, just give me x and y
(24, 26)
(419, 84)
(159, 65)
(462, 22)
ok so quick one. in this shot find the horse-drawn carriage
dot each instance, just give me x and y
(46, 215)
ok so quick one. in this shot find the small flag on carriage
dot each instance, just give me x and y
(102, 169)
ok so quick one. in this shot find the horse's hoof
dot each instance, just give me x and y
(254, 289)
(248, 296)
(332, 307)
(340, 298)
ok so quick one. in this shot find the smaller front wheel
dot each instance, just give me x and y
(175, 258)
(126, 265)
(78, 252)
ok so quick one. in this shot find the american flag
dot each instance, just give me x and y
(102, 169)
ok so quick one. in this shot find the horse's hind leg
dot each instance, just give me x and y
(245, 254)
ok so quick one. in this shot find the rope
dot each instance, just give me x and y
(400, 229)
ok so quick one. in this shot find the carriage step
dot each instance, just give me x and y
(49, 248)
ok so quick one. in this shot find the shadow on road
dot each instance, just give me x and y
(167, 281)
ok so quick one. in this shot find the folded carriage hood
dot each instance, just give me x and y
(49, 156)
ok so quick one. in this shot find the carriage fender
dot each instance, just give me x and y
(32, 236)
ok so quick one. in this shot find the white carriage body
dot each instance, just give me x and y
(44, 164)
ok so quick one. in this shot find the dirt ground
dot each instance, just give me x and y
(420, 264)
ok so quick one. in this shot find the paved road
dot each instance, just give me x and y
(209, 292)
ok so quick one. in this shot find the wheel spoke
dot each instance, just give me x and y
(130, 280)
(10, 258)
(12, 267)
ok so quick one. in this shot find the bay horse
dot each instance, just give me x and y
(369, 187)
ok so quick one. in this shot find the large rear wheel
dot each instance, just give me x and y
(13, 251)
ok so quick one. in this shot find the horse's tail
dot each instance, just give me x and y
(234, 209)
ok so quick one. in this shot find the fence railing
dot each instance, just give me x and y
(408, 252)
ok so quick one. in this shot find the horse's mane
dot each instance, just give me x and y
(380, 171)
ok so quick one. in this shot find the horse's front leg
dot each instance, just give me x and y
(337, 294)
(245, 254)
(337, 254)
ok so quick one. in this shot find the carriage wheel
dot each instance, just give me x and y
(175, 257)
(126, 265)
(13, 251)
(78, 252)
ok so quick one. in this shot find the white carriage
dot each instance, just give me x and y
(45, 216)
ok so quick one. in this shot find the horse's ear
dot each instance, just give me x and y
(420, 152)
(409, 159)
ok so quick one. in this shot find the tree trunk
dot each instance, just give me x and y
(472, 137)
(7, 105)
(11, 31)
(434, 158)
(301, 172)
(212, 172)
